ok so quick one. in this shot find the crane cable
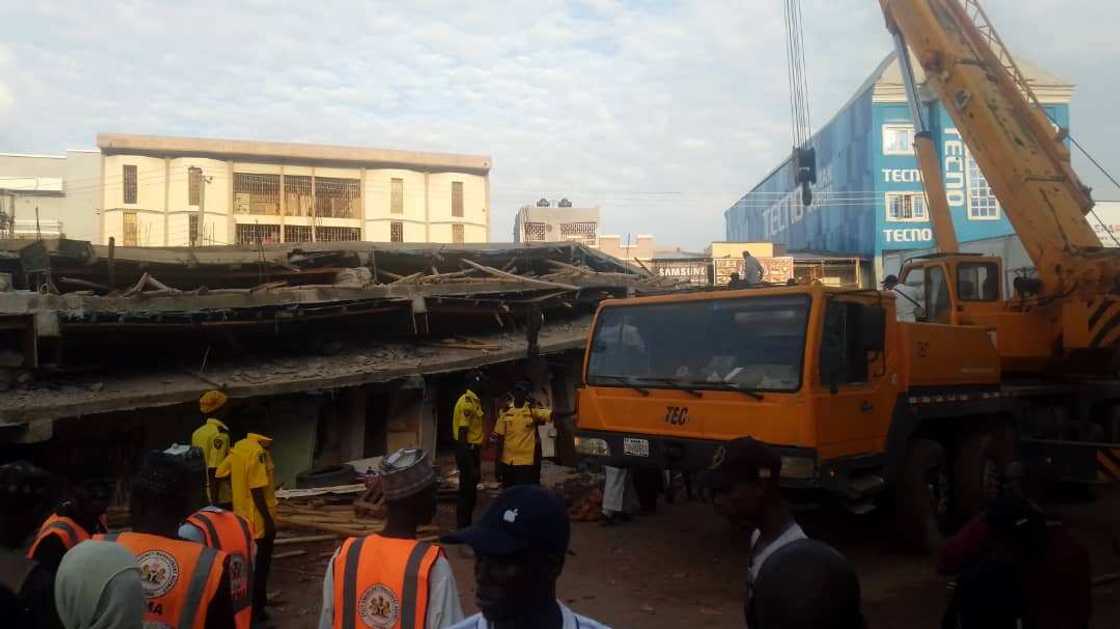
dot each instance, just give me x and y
(798, 79)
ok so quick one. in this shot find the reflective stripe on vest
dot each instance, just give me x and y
(382, 582)
(67, 530)
(180, 578)
(229, 532)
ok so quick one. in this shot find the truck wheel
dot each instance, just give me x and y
(923, 495)
(981, 460)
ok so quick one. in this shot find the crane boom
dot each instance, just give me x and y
(1020, 152)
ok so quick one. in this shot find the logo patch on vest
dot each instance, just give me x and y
(159, 572)
(379, 607)
(238, 577)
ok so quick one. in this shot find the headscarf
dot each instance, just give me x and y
(98, 587)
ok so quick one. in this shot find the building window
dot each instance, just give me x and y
(129, 177)
(898, 139)
(257, 234)
(396, 196)
(256, 194)
(578, 231)
(534, 231)
(906, 206)
(457, 233)
(297, 233)
(192, 229)
(982, 203)
(131, 231)
(338, 234)
(194, 186)
(456, 198)
(297, 197)
(396, 231)
(338, 198)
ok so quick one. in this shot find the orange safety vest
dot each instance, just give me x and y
(229, 532)
(70, 532)
(382, 582)
(180, 578)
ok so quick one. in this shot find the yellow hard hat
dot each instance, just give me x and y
(212, 401)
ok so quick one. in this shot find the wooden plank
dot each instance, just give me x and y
(290, 553)
(305, 539)
(520, 278)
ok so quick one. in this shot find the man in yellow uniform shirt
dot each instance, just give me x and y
(467, 427)
(516, 436)
(213, 439)
(253, 477)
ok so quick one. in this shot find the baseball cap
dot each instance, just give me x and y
(742, 459)
(524, 517)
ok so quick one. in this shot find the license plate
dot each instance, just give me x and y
(635, 447)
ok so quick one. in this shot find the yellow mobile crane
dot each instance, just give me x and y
(1068, 316)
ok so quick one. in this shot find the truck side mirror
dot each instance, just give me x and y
(872, 326)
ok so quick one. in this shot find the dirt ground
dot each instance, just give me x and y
(684, 567)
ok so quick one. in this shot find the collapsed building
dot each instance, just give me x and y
(339, 351)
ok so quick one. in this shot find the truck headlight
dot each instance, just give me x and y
(592, 446)
(799, 467)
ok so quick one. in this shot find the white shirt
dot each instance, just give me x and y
(752, 271)
(759, 555)
(907, 309)
(572, 620)
(444, 608)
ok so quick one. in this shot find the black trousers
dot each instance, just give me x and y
(260, 573)
(469, 462)
(521, 475)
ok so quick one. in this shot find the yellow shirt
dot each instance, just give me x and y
(213, 439)
(518, 427)
(468, 414)
(249, 466)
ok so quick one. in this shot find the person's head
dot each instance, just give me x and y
(734, 277)
(806, 584)
(791, 282)
(520, 544)
(889, 282)
(746, 254)
(214, 403)
(408, 481)
(97, 586)
(91, 497)
(27, 494)
(162, 494)
(474, 380)
(521, 392)
(744, 480)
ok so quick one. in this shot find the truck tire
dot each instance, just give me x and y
(923, 496)
(979, 465)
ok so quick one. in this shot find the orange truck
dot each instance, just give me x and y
(855, 401)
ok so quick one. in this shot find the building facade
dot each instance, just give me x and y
(50, 196)
(868, 201)
(544, 223)
(169, 191)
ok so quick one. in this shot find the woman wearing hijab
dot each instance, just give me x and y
(98, 587)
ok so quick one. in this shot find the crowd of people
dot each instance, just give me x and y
(198, 552)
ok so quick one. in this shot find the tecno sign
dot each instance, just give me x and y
(902, 175)
(914, 234)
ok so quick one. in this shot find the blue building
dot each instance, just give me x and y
(868, 200)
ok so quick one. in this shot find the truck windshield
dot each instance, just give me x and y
(751, 343)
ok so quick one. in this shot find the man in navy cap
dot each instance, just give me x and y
(520, 544)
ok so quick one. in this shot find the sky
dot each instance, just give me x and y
(660, 113)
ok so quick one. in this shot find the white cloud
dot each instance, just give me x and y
(661, 113)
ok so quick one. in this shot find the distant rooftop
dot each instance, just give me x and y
(111, 143)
